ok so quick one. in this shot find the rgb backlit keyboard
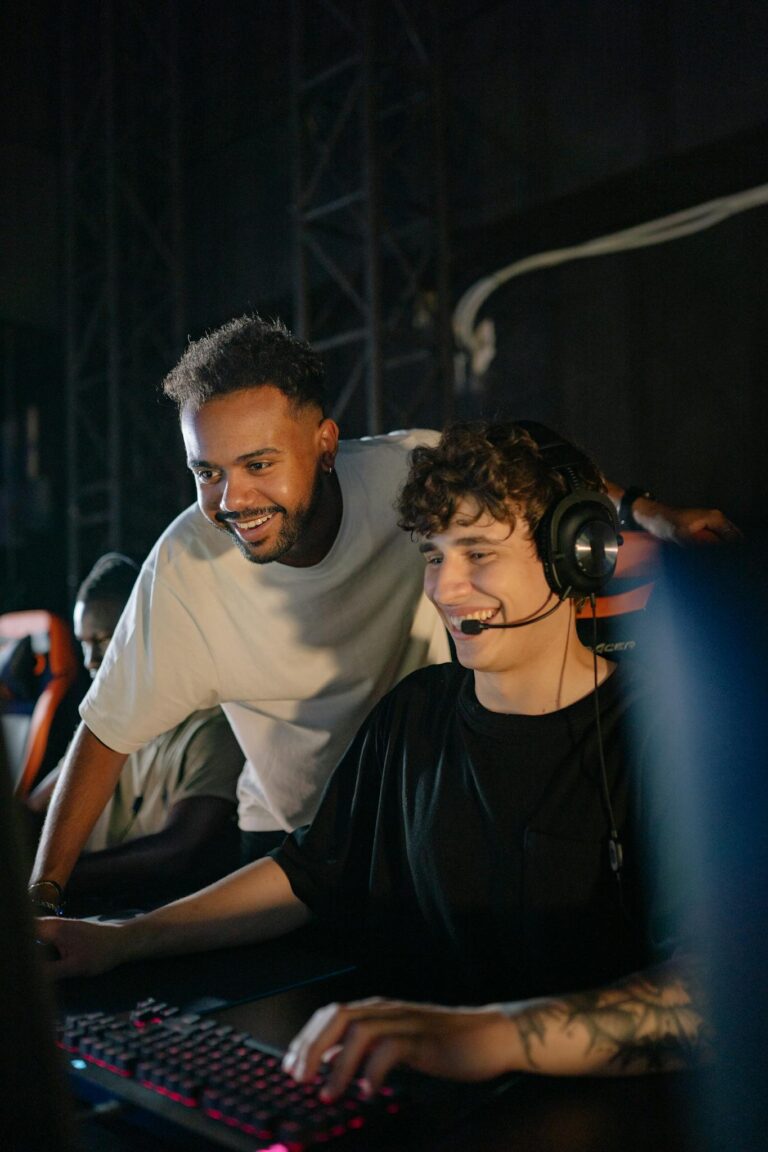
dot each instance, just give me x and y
(210, 1068)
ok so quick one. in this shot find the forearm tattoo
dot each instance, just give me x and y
(653, 1021)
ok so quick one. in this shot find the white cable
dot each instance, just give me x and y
(475, 339)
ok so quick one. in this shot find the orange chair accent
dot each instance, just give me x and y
(638, 566)
(56, 656)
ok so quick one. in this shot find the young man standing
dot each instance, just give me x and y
(489, 834)
(293, 601)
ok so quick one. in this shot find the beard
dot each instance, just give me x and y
(295, 527)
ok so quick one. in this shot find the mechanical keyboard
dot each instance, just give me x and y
(210, 1078)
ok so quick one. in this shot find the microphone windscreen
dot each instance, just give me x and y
(471, 627)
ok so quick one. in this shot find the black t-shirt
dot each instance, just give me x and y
(468, 850)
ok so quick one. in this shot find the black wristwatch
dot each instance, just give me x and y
(626, 519)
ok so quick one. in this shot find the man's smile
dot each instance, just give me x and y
(454, 621)
(247, 527)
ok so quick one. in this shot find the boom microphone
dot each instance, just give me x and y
(475, 627)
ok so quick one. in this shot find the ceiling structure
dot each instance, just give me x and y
(354, 167)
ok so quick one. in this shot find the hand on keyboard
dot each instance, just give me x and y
(370, 1037)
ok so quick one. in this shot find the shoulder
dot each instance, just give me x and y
(432, 690)
(415, 714)
(192, 558)
(632, 677)
(629, 687)
(402, 440)
(389, 446)
(623, 700)
(372, 470)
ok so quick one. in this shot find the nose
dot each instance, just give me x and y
(238, 495)
(447, 582)
(93, 654)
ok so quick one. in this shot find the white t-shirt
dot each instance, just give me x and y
(295, 656)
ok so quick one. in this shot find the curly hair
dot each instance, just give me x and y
(498, 465)
(247, 353)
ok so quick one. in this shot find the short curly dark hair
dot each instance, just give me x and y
(498, 465)
(111, 578)
(247, 353)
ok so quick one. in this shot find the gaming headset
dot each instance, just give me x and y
(578, 543)
(578, 536)
(578, 540)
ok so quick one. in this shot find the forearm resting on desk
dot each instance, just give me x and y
(256, 903)
(649, 1022)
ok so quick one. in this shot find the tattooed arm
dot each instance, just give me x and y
(651, 1021)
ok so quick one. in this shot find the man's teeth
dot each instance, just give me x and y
(246, 525)
(485, 614)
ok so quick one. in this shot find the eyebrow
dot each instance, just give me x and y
(463, 541)
(246, 456)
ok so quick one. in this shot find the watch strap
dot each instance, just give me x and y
(626, 517)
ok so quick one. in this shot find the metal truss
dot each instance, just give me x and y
(371, 276)
(123, 279)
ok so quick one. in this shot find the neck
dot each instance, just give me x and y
(557, 673)
(326, 521)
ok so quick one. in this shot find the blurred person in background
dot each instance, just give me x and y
(172, 814)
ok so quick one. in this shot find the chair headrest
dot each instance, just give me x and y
(19, 673)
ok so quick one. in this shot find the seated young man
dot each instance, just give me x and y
(469, 834)
(172, 814)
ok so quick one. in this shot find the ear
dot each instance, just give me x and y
(328, 442)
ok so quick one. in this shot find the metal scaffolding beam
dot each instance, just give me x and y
(123, 272)
(369, 201)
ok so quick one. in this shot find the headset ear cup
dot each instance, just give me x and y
(582, 543)
(578, 536)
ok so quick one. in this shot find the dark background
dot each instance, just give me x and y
(565, 120)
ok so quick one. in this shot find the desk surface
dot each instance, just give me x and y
(537, 1115)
